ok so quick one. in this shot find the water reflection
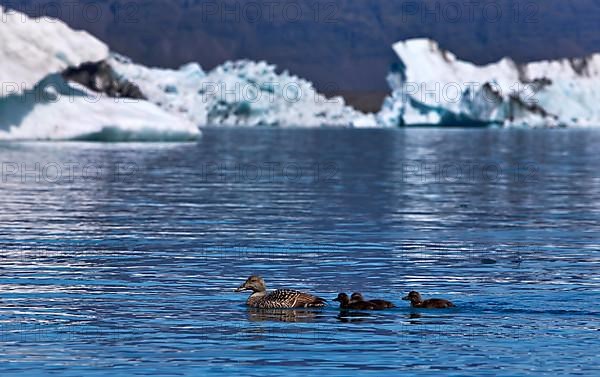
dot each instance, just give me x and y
(353, 316)
(284, 315)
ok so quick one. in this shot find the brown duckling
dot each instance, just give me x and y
(345, 303)
(379, 304)
(279, 299)
(433, 303)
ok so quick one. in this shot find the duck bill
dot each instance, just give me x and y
(406, 298)
(336, 299)
(241, 288)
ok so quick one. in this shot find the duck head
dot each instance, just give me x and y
(412, 297)
(342, 298)
(356, 297)
(253, 283)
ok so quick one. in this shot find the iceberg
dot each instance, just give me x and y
(431, 86)
(240, 93)
(39, 101)
(62, 84)
(58, 110)
(31, 49)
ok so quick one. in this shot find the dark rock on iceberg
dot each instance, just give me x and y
(101, 78)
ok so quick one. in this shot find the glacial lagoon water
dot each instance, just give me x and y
(121, 259)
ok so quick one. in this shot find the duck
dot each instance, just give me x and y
(279, 299)
(433, 303)
(379, 304)
(345, 303)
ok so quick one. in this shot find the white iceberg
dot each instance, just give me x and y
(241, 93)
(36, 103)
(60, 84)
(31, 49)
(57, 110)
(432, 86)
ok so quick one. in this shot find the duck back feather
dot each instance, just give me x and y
(285, 298)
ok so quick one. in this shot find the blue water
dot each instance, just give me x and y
(121, 259)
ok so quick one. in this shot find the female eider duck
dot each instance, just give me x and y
(379, 304)
(345, 303)
(279, 299)
(433, 303)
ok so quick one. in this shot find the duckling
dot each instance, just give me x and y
(279, 299)
(379, 304)
(345, 303)
(433, 303)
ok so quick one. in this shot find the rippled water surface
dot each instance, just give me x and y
(121, 259)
